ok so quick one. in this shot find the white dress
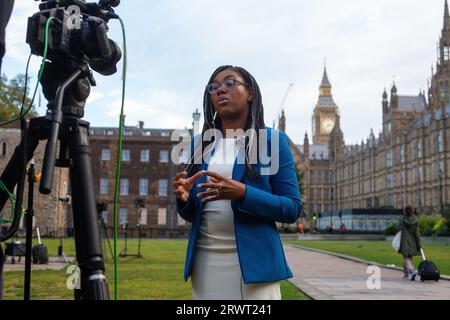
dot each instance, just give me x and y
(216, 273)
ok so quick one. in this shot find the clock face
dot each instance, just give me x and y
(327, 125)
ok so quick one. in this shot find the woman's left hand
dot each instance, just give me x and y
(221, 188)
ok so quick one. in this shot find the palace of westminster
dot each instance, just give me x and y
(408, 163)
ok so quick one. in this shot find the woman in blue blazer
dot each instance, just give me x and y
(234, 249)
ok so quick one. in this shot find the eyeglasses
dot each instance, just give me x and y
(227, 85)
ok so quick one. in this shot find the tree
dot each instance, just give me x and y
(11, 95)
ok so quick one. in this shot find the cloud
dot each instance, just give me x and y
(16, 30)
(157, 108)
(174, 46)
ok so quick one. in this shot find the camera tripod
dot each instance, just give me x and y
(124, 252)
(101, 206)
(66, 85)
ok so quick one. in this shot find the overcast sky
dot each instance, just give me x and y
(175, 45)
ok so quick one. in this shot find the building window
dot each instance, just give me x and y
(420, 193)
(123, 216)
(184, 156)
(143, 216)
(126, 155)
(164, 156)
(143, 187)
(402, 178)
(162, 216)
(163, 187)
(104, 186)
(419, 150)
(389, 180)
(124, 184)
(389, 158)
(106, 154)
(440, 142)
(419, 174)
(402, 154)
(145, 155)
(105, 216)
(389, 127)
(440, 169)
(181, 221)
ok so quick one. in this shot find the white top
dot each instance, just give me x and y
(217, 227)
(216, 273)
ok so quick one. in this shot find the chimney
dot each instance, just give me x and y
(141, 124)
(196, 122)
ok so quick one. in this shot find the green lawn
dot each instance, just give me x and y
(381, 251)
(159, 275)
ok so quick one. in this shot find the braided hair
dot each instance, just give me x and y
(255, 119)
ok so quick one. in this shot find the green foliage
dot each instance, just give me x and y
(433, 226)
(427, 231)
(426, 224)
(11, 95)
(440, 228)
(392, 228)
(429, 226)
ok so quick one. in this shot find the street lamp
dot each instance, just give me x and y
(441, 187)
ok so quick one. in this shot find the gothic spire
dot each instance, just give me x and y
(446, 17)
(446, 13)
(325, 82)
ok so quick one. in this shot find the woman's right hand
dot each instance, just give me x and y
(182, 186)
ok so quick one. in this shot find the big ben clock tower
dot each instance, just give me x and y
(325, 113)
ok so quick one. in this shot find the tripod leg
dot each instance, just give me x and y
(29, 232)
(87, 239)
(1, 271)
(107, 237)
(11, 174)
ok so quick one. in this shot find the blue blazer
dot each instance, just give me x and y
(273, 198)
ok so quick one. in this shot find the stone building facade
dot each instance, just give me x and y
(408, 162)
(52, 214)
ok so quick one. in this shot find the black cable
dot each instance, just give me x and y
(21, 115)
(26, 85)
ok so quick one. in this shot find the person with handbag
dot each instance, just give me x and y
(410, 244)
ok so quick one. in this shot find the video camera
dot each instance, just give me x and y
(78, 31)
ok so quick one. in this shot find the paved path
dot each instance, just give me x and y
(326, 277)
(55, 263)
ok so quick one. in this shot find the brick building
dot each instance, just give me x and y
(146, 196)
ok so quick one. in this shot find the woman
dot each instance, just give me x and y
(410, 241)
(234, 250)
